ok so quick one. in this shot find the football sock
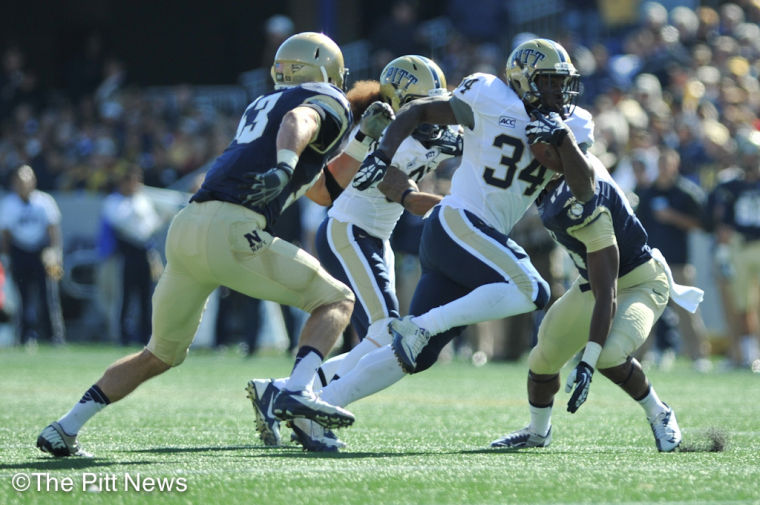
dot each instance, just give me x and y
(485, 303)
(91, 403)
(374, 372)
(540, 419)
(327, 371)
(308, 360)
(652, 404)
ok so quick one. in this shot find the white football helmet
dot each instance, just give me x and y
(542, 75)
(409, 77)
(308, 57)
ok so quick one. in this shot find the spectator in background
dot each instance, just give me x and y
(669, 209)
(133, 220)
(396, 34)
(30, 223)
(736, 205)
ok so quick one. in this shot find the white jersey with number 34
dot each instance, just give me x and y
(498, 178)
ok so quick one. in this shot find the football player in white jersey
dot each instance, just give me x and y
(471, 270)
(353, 242)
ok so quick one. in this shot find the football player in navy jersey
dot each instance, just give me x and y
(353, 241)
(623, 288)
(280, 151)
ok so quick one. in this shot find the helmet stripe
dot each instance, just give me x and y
(558, 49)
(432, 71)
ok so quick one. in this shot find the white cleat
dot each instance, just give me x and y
(313, 437)
(408, 342)
(522, 439)
(59, 443)
(667, 434)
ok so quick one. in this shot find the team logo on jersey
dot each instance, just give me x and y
(254, 240)
(507, 122)
(575, 211)
(431, 154)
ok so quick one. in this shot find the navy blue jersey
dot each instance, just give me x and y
(736, 203)
(561, 212)
(254, 149)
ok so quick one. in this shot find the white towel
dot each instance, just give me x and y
(688, 297)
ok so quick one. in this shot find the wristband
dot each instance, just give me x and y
(406, 193)
(357, 149)
(288, 157)
(591, 354)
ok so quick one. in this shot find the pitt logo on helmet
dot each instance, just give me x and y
(529, 56)
(396, 75)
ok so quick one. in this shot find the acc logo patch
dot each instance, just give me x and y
(507, 122)
(575, 211)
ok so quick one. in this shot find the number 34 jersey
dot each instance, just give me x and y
(498, 178)
(254, 148)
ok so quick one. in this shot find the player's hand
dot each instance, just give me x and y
(372, 170)
(549, 128)
(580, 377)
(375, 118)
(52, 260)
(394, 183)
(450, 143)
(263, 188)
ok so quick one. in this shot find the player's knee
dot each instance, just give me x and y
(542, 388)
(543, 294)
(613, 354)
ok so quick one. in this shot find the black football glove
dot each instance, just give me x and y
(375, 118)
(372, 170)
(263, 188)
(549, 128)
(580, 377)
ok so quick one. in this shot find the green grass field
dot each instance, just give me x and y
(423, 441)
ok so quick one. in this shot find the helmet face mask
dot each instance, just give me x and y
(308, 57)
(410, 77)
(542, 75)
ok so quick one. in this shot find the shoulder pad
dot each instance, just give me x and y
(336, 108)
(582, 125)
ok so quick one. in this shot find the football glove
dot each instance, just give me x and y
(372, 170)
(580, 377)
(263, 188)
(549, 128)
(375, 118)
(448, 140)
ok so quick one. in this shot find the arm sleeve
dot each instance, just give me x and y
(597, 233)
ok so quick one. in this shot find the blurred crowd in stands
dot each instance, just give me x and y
(676, 79)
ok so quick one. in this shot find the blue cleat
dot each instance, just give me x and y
(295, 404)
(262, 393)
